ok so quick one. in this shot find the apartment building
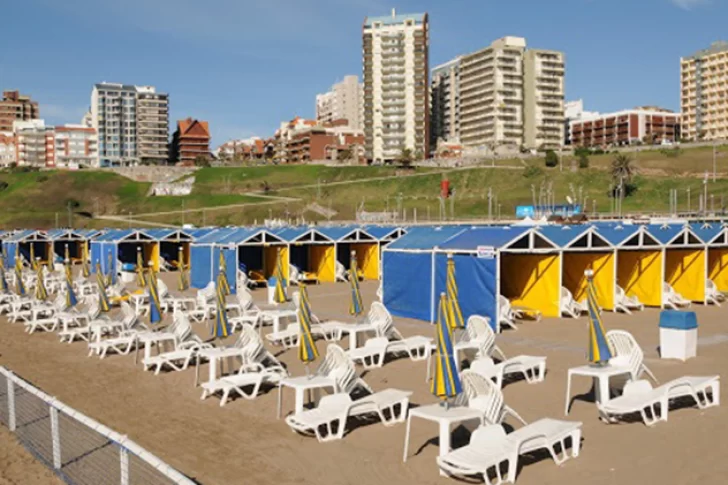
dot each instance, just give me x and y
(15, 106)
(189, 141)
(7, 149)
(66, 146)
(34, 144)
(303, 141)
(343, 101)
(640, 125)
(132, 123)
(503, 95)
(704, 93)
(74, 146)
(253, 148)
(445, 95)
(574, 111)
(396, 87)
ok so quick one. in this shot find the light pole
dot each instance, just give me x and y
(714, 161)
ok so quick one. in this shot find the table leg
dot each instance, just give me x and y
(299, 400)
(276, 324)
(352, 340)
(406, 439)
(602, 389)
(197, 370)
(147, 349)
(444, 441)
(568, 394)
(280, 401)
(213, 369)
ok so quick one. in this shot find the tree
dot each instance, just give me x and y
(622, 168)
(344, 155)
(583, 160)
(405, 158)
(551, 159)
(202, 161)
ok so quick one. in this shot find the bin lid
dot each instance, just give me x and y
(678, 320)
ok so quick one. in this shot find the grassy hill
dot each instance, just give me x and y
(37, 199)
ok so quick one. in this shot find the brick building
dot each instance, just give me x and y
(641, 125)
(16, 107)
(302, 141)
(189, 141)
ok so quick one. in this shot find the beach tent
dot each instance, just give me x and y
(169, 241)
(74, 239)
(364, 245)
(685, 259)
(119, 248)
(20, 243)
(582, 249)
(385, 234)
(205, 258)
(408, 268)
(257, 250)
(639, 261)
(715, 237)
(311, 251)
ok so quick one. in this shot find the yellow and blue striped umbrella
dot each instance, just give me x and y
(101, 283)
(223, 283)
(33, 264)
(109, 270)
(3, 281)
(40, 290)
(84, 260)
(184, 282)
(454, 312)
(599, 350)
(222, 326)
(141, 281)
(67, 263)
(307, 351)
(356, 307)
(19, 285)
(155, 304)
(446, 383)
(280, 293)
(71, 299)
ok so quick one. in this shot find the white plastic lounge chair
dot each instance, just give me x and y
(205, 306)
(185, 343)
(653, 403)
(42, 323)
(328, 330)
(252, 375)
(328, 420)
(247, 311)
(625, 303)
(341, 272)
(377, 317)
(380, 292)
(628, 354)
(76, 324)
(712, 295)
(374, 351)
(672, 299)
(532, 368)
(482, 393)
(123, 342)
(570, 306)
(490, 447)
(168, 301)
(298, 276)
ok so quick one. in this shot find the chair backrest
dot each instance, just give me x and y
(163, 289)
(296, 297)
(504, 305)
(335, 357)
(619, 293)
(380, 318)
(340, 270)
(334, 402)
(128, 314)
(486, 436)
(627, 350)
(479, 330)
(483, 394)
(667, 288)
(566, 294)
(710, 285)
(485, 367)
(183, 330)
(245, 299)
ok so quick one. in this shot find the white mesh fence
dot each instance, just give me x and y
(77, 448)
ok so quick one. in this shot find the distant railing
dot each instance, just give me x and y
(75, 447)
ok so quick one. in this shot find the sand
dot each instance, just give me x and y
(18, 466)
(243, 442)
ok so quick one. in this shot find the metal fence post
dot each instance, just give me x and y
(55, 438)
(124, 460)
(11, 404)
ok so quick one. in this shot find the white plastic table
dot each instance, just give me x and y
(301, 385)
(445, 418)
(149, 339)
(600, 374)
(139, 299)
(276, 316)
(212, 356)
(354, 329)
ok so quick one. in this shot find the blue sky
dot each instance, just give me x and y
(247, 65)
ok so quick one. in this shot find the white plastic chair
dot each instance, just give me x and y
(482, 393)
(570, 306)
(625, 303)
(672, 299)
(712, 295)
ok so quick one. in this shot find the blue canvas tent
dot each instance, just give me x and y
(205, 258)
(715, 237)
(312, 252)
(119, 248)
(170, 241)
(74, 239)
(20, 243)
(256, 252)
(361, 242)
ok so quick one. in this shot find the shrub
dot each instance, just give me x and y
(583, 160)
(3, 185)
(532, 171)
(551, 159)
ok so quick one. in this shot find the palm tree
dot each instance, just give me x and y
(622, 169)
(405, 158)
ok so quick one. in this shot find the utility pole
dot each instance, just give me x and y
(688, 201)
(183, 212)
(705, 193)
(714, 161)
(70, 214)
(56, 219)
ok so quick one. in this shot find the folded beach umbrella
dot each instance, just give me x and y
(141, 281)
(19, 285)
(280, 293)
(446, 383)
(223, 283)
(67, 263)
(599, 351)
(40, 290)
(71, 299)
(86, 271)
(184, 282)
(3, 281)
(101, 283)
(356, 307)
(307, 351)
(109, 271)
(155, 305)
(33, 264)
(453, 305)
(222, 326)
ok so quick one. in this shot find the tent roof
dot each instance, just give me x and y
(426, 237)
(216, 236)
(71, 234)
(562, 235)
(168, 234)
(708, 231)
(124, 235)
(28, 235)
(200, 232)
(302, 234)
(346, 233)
(665, 233)
(383, 233)
(496, 237)
(250, 235)
(616, 233)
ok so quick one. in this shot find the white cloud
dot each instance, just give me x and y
(689, 4)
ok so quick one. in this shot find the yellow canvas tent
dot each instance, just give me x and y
(311, 252)
(684, 259)
(530, 273)
(715, 238)
(363, 244)
(640, 266)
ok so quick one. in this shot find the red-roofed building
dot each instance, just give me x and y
(191, 140)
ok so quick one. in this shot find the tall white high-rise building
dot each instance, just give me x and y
(343, 101)
(396, 87)
(502, 95)
(704, 93)
(132, 123)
